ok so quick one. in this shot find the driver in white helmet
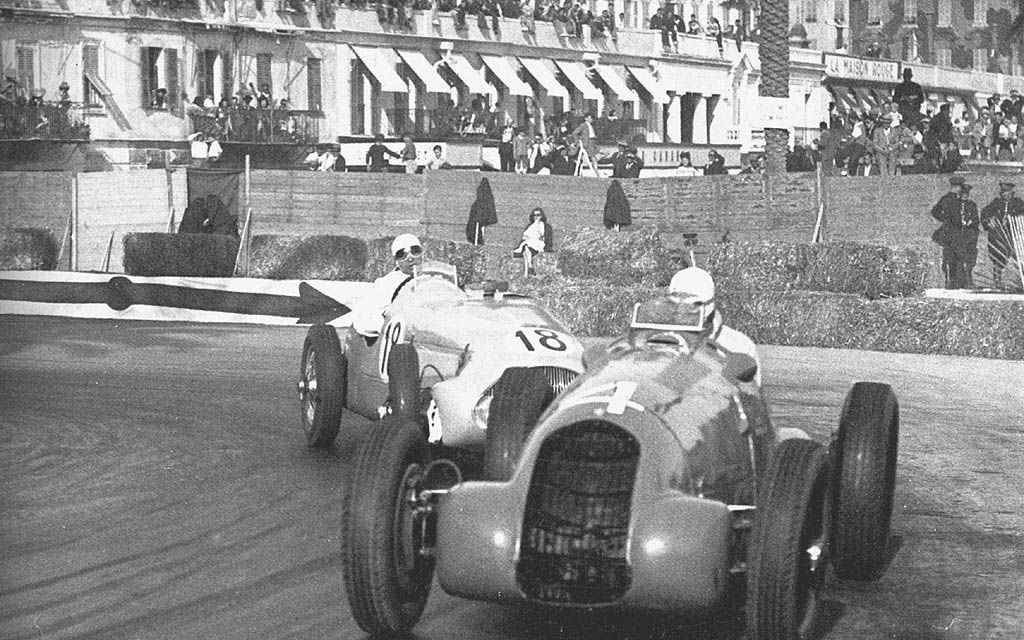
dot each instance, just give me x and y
(408, 254)
(695, 286)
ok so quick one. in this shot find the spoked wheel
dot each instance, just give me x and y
(322, 385)
(387, 530)
(789, 547)
(865, 451)
(520, 396)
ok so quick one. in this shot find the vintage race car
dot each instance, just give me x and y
(455, 362)
(656, 481)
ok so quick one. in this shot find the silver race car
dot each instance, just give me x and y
(656, 481)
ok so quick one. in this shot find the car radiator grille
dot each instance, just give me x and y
(556, 377)
(576, 524)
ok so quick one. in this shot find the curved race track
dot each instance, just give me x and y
(155, 484)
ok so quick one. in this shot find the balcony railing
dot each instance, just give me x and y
(609, 131)
(47, 121)
(434, 123)
(261, 125)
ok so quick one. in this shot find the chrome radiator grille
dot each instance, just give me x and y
(576, 525)
(556, 377)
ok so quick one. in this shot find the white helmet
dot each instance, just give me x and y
(404, 241)
(695, 285)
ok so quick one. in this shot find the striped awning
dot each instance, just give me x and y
(502, 68)
(545, 77)
(616, 83)
(577, 75)
(381, 69)
(425, 71)
(650, 84)
(468, 74)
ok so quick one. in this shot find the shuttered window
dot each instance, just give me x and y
(314, 90)
(26, 59)
(227, 87)
(264, 79)
(91, 65)
(160, 71)
(202, 79)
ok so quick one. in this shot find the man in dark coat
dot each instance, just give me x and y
(958, 235)
(994, 219)
(195, 219)
(909, 96)
(625, 162)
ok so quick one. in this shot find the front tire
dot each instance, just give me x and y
(386, 572)
(322, 383)
(789, 543)
(520, 396)
(865, 451)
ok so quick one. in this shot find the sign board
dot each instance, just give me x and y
(868, 69)
(774, 113)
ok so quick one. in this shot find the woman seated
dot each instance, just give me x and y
(537, 238)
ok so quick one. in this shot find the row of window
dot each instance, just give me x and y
(214, 75)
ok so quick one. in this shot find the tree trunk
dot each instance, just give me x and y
(774, 56)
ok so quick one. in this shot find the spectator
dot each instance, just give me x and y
(909, 96)
(884, 144)
(506, 155)
(586, 136)
(738, 35)
(437, 161)
(221, 220)
(538, 156)
(693, 26)
(376, 160)
(958, 235)
(408, 153)
(715, 31)
(754, 166)
(995, 220)
(830, 139)
(327, 160)
(686, 168)
(213, 150)
(195, 218)
(158, 101)
(312, 159)
(198, 148)
(537, 238)
(866, 166)
(624, 162)
(521, 151)
(798, 160)
(715, 165)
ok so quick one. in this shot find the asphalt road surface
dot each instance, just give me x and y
(155, 484)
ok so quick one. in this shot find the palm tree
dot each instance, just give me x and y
(774, 55)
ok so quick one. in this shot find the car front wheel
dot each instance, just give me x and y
(865, 450)
(386, 561)
(789, 545)
(322, 379)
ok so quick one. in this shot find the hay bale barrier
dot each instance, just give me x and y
(836, 295)
(307, 257)
(195, 255)
(23, 249)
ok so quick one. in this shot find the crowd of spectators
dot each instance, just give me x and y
(26, 113)
(571, 18)
(251, 115)
(672, 25)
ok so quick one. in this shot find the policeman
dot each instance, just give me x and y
(958, 235)
(995, 220)
(695, 286)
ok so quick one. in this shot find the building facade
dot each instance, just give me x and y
(131, 70)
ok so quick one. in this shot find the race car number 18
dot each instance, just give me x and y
(545, 338)
(393, 334)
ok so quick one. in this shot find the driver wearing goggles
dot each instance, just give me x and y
(408, 254)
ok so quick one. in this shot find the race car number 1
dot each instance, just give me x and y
(543, 338)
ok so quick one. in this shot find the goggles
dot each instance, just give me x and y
(414, 251)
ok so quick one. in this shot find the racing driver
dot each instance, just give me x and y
(695, 286)
(408, 254)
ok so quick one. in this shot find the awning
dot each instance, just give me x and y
(578, 77)
(501, 68)
(543, 75)
(473, 78)
(650, 84)
(425, 71)
(689, 80)
(844, 98)
(616, 83)
(381, 69)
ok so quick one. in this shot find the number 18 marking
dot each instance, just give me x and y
(544, 337)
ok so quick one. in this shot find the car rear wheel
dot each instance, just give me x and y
(789, 544)
(865, 450)
(404, 381)
(322, 382)
(386, 564)
(521, 394)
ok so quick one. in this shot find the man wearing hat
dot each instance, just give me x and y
(995, 220)
(958, 235)
(408, 254)
(625, 163)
